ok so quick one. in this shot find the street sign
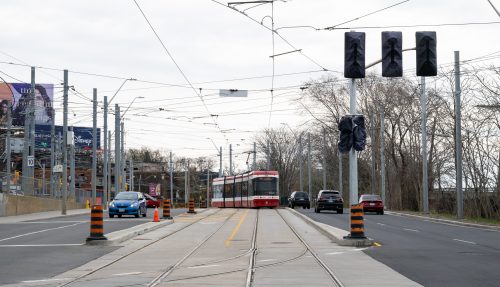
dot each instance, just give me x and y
(57, 168)
(31, 160)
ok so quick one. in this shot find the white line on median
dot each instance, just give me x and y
(412, 230)
(465, 241)
(381, 224)
(39, 231)
(41, 245)
(45, 280)
(130, 273)
(202, 266)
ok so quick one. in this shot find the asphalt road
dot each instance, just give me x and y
(430, 253)
(39, 249)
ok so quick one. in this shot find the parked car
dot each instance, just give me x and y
(152, 201)
(372, 202)
(329, 200)
(299, 198)
(128, 203)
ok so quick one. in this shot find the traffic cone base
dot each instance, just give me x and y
(156, 217)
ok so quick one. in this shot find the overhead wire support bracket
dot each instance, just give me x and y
(248, 2)
(281, 54)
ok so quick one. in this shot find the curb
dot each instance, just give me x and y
(448, 221)
(114, 238)
(333, 233)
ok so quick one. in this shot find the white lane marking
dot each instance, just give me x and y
(203, 266)
(41, 245)
(381, 224)
(39, 231)
(124, 274)
(46, 280)
(46, 222)
(351, 250)
(266, 260)
(412, 230)
(470, 242)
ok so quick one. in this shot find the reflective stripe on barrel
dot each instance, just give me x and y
(166, 209)
(96, 223)
(357, 222)
(191, 205)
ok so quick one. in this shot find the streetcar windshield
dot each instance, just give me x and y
(265, 186)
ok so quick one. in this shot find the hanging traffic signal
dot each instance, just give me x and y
(346, 138)
(354, 52)
(392, 54)
(359, 132)
(426, 53)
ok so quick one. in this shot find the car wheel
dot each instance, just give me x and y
(319, 210)
(111, 215)
(119, 216)
(138, 213)
(308, 206)
(293, 207)
(316, 210)
(382, 212)
(340, 211)
(304, 207)
(145, 212)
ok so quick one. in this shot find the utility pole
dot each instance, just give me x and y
(123, 160)
(372, 168)
(65, 144)
(131, 174)
(208, 186)
(425, 181)
(324, 158)
(186, 174)
(29, 136)
(309, 165)
(8, 152)
(220, 162)
(52, 154)
(254, 156)
(94, 149)
(353, 160)
(105, 156)
(268, 155)
(230, 159)
(72, 163)
(171, 181)
(117, 149)
(300, 164)
(109, 165)
(382, 158)
(458, 138)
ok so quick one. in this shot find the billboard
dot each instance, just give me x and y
(18, 95)
(82, 136)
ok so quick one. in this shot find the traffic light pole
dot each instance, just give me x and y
(353, 161)
(425, 188)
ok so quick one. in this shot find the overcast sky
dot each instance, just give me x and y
(104, 42)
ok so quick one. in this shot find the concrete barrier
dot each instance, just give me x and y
(11, 205)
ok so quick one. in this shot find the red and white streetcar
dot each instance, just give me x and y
(252, 189)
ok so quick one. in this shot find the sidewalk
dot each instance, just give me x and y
(42, 215)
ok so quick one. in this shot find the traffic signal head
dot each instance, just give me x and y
(359, 132)
(345, 139)
(392, 54)
(354, 52)
(426, 53)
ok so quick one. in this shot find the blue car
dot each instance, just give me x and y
(128, 203)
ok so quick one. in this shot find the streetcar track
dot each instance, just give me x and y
(133, 252)
(332, 275)
(169, 270)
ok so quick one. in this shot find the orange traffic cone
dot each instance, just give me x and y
(156, 217)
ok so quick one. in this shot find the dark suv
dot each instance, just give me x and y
(329, 200)
(299, 198)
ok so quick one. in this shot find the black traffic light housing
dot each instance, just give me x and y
(392, 54)
(426, 53)
(352, 133)
(354, 52)
(359, 132)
